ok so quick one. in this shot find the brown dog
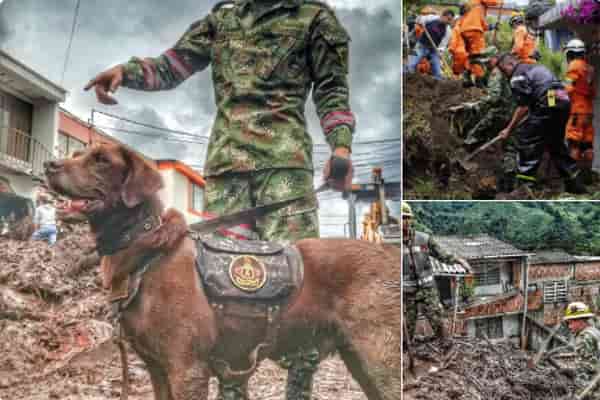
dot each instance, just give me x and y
(349, 301)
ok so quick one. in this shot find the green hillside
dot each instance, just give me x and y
(571, 226)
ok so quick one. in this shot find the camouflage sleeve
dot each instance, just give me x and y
(439, 253)
(328, 55)
(587, 359)
(494, 90)
(190, 54)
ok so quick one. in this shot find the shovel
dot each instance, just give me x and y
(466, 164)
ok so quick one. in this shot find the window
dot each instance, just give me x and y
(197, 197)
(489, 327)
(555, 292)
(487, 275)
(68, 145)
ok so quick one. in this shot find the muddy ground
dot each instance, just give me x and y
(55, 338)
(476, 369)
(431, 149)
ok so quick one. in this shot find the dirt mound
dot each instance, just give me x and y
(55, 338)
(430, 146)
(475, 369)
(432, 149)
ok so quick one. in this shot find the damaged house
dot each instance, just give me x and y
(490, 302)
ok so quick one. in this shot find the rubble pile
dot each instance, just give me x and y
(476, 369)
(55, 337)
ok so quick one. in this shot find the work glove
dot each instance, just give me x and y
(338, 170)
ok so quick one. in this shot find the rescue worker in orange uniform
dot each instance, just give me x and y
(524, 45)
(457, 48)
(474, 26)
(580, 85)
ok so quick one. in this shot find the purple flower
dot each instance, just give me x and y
(587, 12)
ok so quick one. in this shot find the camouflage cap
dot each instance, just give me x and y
(489, 52)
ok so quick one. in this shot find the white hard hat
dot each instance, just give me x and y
(575, 46)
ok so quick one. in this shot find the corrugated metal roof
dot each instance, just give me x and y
(478, 247)
(442, 269)
(390, 234)
(552, 257)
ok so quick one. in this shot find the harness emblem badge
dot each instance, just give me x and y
(247, 273)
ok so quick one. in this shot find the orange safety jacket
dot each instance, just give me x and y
(523, 44)
(474, 18)
(580, 84)
(456, 45)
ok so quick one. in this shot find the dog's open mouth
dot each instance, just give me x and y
(79, 204)
(85, 206)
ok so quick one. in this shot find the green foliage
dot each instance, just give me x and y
(503, 38)
(467, 290)
(571, 226)
(554, 61)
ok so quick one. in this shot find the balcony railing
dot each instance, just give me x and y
(23, 153)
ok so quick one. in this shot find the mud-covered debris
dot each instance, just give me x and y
(475, 369)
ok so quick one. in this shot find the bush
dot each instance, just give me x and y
(554, 61)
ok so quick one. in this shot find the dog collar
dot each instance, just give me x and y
(110, 244)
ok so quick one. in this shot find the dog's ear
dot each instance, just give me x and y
(141, 182)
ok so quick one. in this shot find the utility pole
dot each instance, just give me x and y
(352, 215)
(525, 269)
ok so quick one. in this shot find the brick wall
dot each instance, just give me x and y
(549, 271)
(587, 271)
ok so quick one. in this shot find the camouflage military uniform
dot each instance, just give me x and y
(418, 283)
(489, 116)
(587, 346)
(265, 56)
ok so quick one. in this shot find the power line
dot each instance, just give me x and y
(156, 136)
(131, 121)
(67, 56)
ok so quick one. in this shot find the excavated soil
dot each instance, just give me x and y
(431, 149)
(476, 369)
(55, 336)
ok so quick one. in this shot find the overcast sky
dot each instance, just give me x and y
(111, 31)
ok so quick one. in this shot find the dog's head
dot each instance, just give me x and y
(103, 177)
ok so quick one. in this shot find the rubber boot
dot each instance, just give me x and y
(301, 373)
(575, 185)
(506, 182)
(467, 80)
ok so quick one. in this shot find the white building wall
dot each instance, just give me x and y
(175, 194)
(165, 194)
(23, 185)
(45, 125)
